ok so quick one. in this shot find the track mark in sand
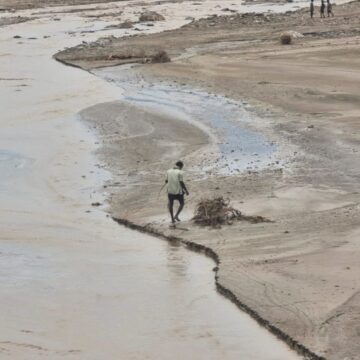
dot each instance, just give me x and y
(23, 345)
(331, 318)
(8, 344)
(4, 350)
(13, 79)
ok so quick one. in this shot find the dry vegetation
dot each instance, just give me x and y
(160, 57)
(285, 39)
(217, 211)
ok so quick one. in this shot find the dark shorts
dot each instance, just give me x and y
(178, 197)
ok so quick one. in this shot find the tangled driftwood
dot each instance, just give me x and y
(217, 211)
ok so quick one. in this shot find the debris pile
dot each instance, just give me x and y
(217, 211)
(160, 57)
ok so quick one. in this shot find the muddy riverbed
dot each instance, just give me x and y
(74, 283)
(307, 93)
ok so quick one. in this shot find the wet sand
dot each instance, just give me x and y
(305, 98)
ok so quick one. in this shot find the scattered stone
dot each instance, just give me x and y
(295, 34)
(229, 10)
(124, 25)
(150, 16)
(96, 204)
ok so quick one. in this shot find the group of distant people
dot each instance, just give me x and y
(322, 8)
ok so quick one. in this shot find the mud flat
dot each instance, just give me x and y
(300, 272)
(74, 284)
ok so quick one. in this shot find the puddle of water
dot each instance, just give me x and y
(226, 121)
(12, 164)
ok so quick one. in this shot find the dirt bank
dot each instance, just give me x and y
(33, 4)
(300, 272)
(13, 20)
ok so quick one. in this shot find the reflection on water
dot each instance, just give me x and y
(173, 310)
(176, 261)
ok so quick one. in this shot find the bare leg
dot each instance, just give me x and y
(179, 210)
(171, 210)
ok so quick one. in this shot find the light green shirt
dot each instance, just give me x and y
(173, 177)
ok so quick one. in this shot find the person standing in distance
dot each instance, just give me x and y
(176, 189)
(329, 8)
(322, 9)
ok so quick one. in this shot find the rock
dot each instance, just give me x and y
(150, 16)
(229, 10)
(295, 34)
(126, 25)
(96, 204)
(17, 37)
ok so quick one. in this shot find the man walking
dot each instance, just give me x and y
(176, 190)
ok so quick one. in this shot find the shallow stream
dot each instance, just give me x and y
(228, 123)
